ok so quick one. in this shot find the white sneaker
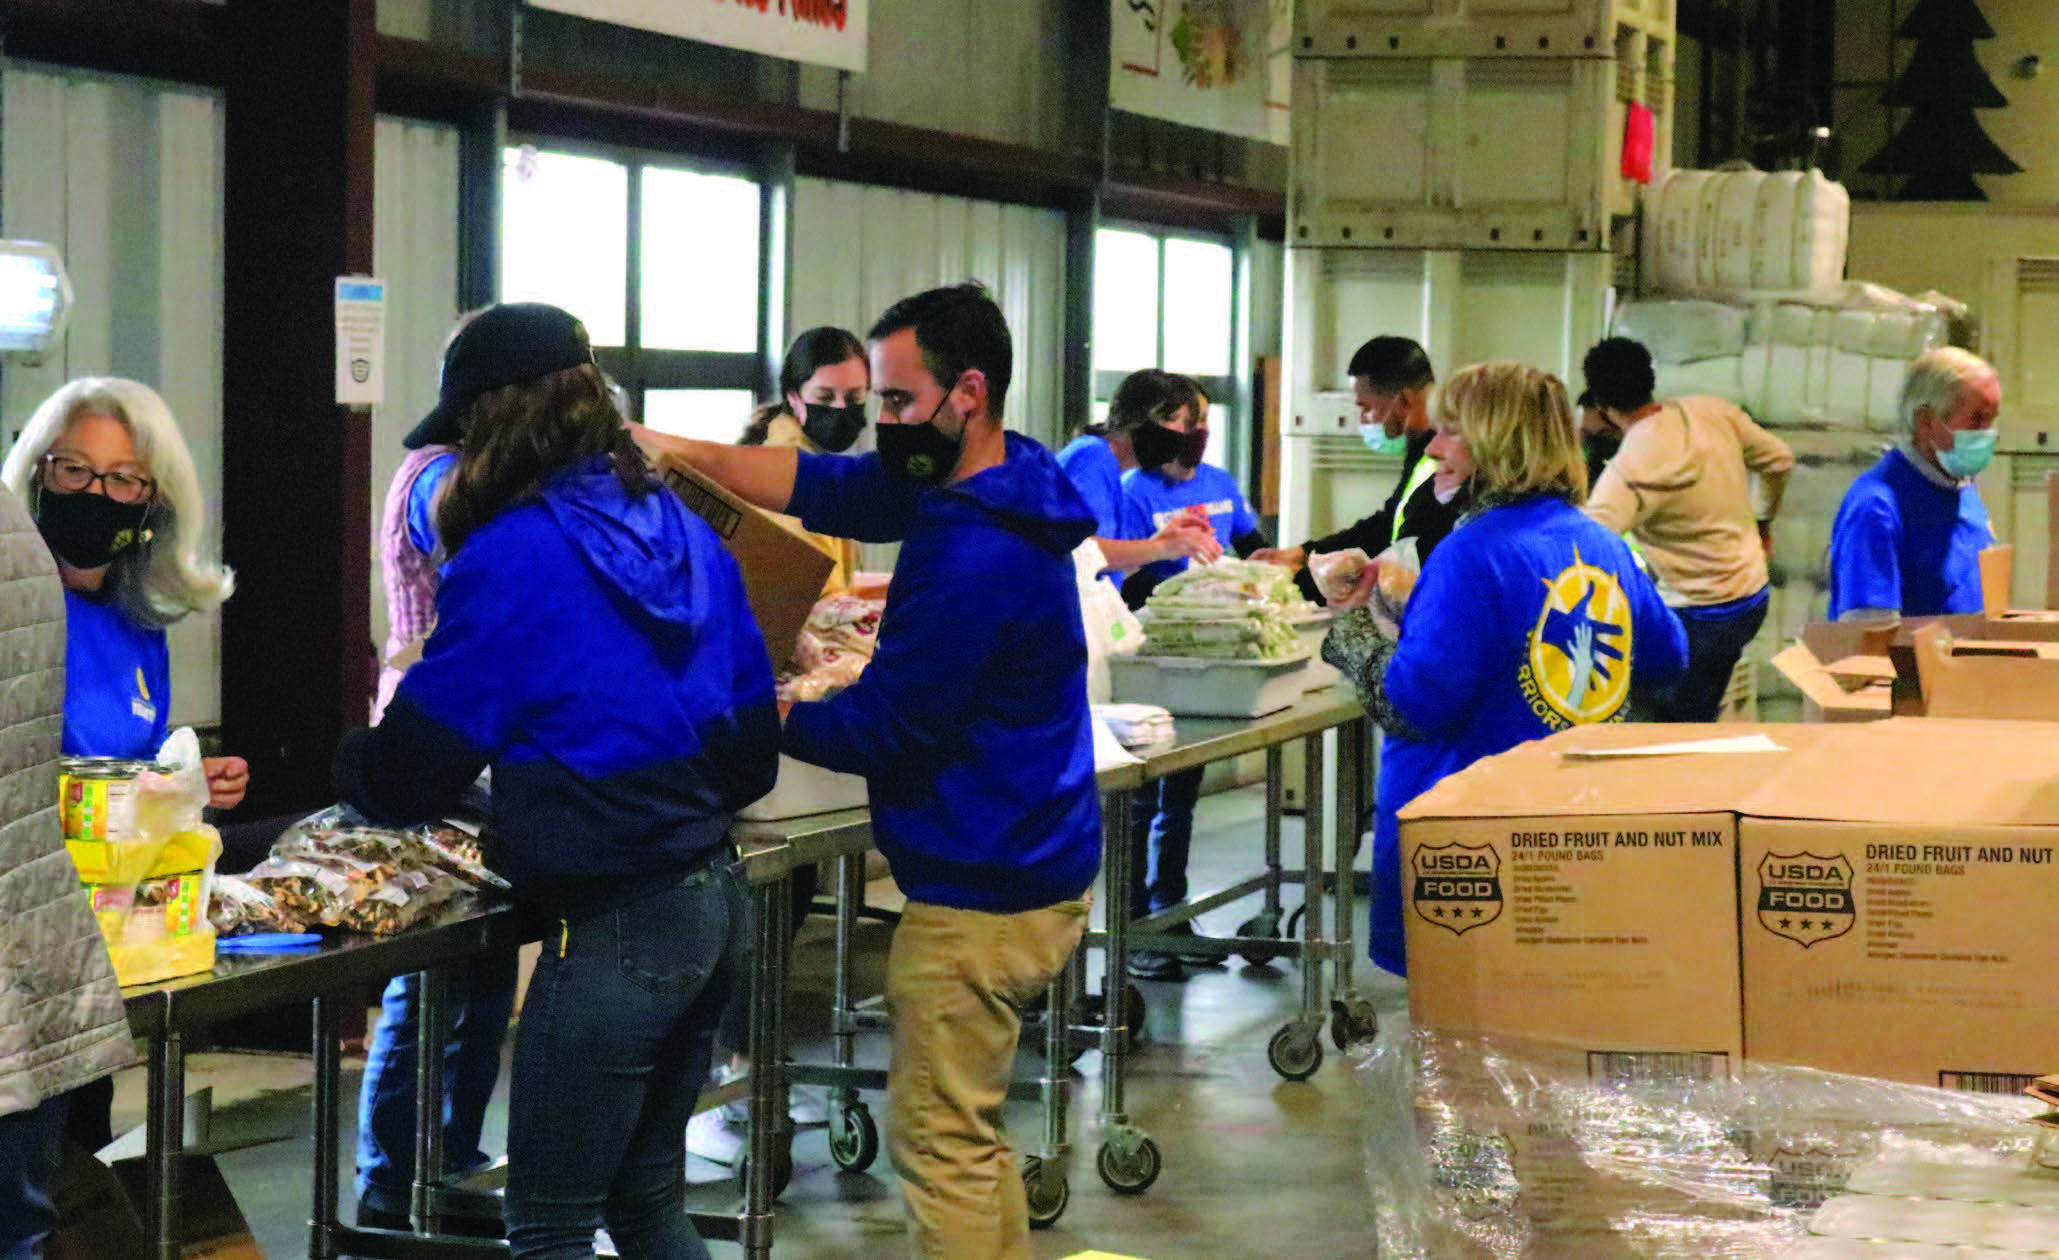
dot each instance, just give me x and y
(709, 1137)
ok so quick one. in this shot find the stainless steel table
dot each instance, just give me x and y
(166, 1014)
(1129, 1160)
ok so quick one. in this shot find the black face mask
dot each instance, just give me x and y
(833, 428)
(920, 452)
(87, 530)
(1193, 445)
(1154, 445)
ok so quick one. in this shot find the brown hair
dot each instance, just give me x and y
(518, 436)
(1519, 428)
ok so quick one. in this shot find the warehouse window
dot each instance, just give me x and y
(1165, 301)
(659, 261)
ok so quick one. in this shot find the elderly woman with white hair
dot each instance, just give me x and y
(1909, 533)
(111, 487)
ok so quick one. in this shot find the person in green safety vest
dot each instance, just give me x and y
(1393, 378)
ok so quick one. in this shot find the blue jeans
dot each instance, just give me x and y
(611, 1053)
(1162, 822)
(28, 1160)
(1714, 645)
(480, 998)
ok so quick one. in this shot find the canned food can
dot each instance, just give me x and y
(96, 797)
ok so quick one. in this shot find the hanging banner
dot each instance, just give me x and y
(823, 32)
(1221, 65)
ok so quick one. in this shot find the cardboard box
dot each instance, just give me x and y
(1586, 901)
(1986, 678)
(783, 572)
(99, 1218)
(1876, 899)
(1897, 919)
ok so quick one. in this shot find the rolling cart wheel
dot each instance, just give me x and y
(1352, 1021)
(1049, 1193)
(853, 1138)
(1131, 1172)
(782, 1172)
(1294, 1054)
(1264, 923)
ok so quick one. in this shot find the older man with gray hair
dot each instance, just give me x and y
(1910, 531)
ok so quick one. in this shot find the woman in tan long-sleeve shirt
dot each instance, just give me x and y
(1682, 485)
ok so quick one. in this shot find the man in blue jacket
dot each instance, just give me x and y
(1909, 533)
(970, 727)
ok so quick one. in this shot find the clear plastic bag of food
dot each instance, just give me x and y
(344, 891)
(238, 907)
(1337, 572)
(1400, 566)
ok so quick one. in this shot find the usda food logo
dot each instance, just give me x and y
(1458, 886)
(1806, 897)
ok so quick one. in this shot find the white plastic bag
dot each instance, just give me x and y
(1112, 629)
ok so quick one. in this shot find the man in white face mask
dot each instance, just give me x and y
(1393, 379)
(1910, 531)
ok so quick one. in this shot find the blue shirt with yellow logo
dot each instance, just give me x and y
(1528, 619)
(117, 682)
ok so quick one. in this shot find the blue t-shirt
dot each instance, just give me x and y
(1149, 500)
(1094, 472)
(117, 682)
(422, 501)
(1902, 541)
(1530, 618)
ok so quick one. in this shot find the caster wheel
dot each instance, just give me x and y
(853, 1138)
(1131, 1172)
(1352, 1021)
(1049, 1193)
(782, 1173)
(1294, 1054)
(1264, 923)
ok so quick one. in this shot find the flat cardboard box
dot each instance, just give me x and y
(783, 572)
(100, 1217)
(1897, 919)
(1586, 902)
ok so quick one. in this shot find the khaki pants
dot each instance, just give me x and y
(957, 981)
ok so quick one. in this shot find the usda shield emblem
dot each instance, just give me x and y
(1458, 886)
(1806, 897)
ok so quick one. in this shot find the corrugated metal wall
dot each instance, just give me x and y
(919, 51)
(415, 251)
(124, 176)
(858, 249)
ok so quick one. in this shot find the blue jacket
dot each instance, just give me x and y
(1518, 605)
(117, 682)
(596, 649)
(1902, 541)
(970, 725)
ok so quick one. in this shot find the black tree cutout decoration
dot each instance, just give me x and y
(1942, 145)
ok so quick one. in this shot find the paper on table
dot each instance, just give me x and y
(1108, 751)
(1728, 744)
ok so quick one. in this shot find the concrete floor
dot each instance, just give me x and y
(1254, 1166)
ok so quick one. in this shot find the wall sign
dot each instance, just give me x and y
(824, 32)
(1222, 65)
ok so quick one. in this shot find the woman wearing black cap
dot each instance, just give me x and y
(594, 647)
